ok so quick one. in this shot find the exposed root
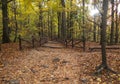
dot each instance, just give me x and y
(102, 67)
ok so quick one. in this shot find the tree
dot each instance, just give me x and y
(63, 25)
(83, 2)
(59, 24)
(70, 21)
(5, 19)
(40, 19)
(15, 19)
(94, 33)
(117, 29)
(104, 64)
(112, 23)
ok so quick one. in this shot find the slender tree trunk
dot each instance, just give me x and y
(84, 40)
(5, 37)
(112, 24)
(71, 21)
(59, 24)
(40, 20)
(68, 25)
(94, 33)
(48, 23)
(16, 24)
(98, 35)
(51, 25)
(117, 29)
(63, 29)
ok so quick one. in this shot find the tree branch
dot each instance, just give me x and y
(98, 10)
(8, 1)
(93, 21)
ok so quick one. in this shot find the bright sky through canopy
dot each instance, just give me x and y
(119, 8)
(94, 12)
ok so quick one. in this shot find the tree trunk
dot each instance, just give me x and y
(48, 23)
(117, 29)
(71, 21)
(16, 24)
(103, 40)
(68, 25)
(103, 32)
(40, 20)
(112, 24)
(5, 37)
(63, 25)
(94, 33)
(59, 24)
(83, 37)
(51, 25)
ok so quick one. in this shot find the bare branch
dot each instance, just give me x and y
(93, 21)
(98, 10)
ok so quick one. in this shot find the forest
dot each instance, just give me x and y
(59, 41)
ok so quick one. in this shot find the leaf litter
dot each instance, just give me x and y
(55, 66)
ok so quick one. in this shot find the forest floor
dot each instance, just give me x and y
(48, 65)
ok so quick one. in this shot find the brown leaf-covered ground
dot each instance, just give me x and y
(45, 65)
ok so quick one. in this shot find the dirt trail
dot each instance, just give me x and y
(52, 66)
(53, 44)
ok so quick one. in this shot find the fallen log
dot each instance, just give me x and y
(108, 47)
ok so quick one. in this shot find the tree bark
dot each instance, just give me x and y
(16, 24)
(5, 37)
(59, 24)
(103, 32)
(94, 33)
(48, 23)
(51, 24)
(112, 24)
(71, 21)
(83, 37)
(63, 25)
(40, 19)
(117, 29)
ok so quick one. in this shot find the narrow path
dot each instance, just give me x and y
(54, 66)
(46, 66)
(53, 44)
